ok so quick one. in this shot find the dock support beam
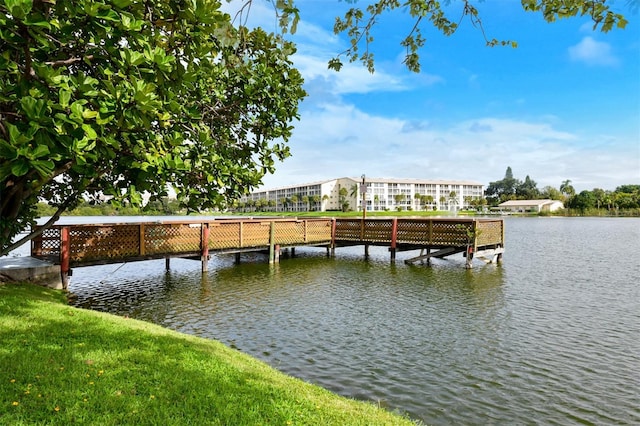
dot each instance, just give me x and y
(469, 256)
(65, 257)
(394, 239)
(271, 247)
(204, 258)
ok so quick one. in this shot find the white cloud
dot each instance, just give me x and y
(340, 140)
(593, 52)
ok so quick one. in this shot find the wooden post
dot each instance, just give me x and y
(276, 254)
(499, 260)
(141, 240)
(204, 244)
(237, 258)
(469, 256)
(394, 238)
(65, 256)
(272, 233)
(366, 251)
(167, 263)
(333, 236)
(305, 231)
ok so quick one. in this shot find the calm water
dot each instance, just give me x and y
(550, 337)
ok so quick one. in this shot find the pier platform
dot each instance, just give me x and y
(74, 245)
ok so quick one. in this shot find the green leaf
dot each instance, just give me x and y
(43, 167)
(16, 137)
(40, 151)
(88, 114)
(7, 152)
(121, 4)
(33, 108)
(89, 132)
(19, 9)
(20, 167)
(64, 96)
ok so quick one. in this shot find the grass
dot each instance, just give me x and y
(61, 365)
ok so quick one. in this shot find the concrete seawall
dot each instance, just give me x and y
(32, 270)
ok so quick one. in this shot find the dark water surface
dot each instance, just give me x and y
(552, 336)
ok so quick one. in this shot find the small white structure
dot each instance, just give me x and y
(533, 206)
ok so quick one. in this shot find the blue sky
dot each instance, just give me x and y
(564, 104)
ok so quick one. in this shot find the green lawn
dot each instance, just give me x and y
(62, 365)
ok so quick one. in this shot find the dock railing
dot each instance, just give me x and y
(91, 244)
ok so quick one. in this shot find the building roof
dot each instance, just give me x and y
(376, 180)
(423, 181)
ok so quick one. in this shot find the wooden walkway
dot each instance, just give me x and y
(83, 245)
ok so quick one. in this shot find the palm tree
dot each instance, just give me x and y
(354, 191)
(428, 199)
(305, 199)
(294, 201)
(567, 189)
(399, 198)
(443, 201)
(283, 201)
(468, 201)
(315, 199)
(342, 194)
(453, 199)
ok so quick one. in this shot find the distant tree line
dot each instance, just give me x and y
(164, 206)
(624, 198)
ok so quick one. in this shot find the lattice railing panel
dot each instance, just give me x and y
(318, 231)
(91, 243)
(491, 233)
(348, 229)
(450, 233)
(224, 235)
(377, 231)
(255, 234)
(172, 238)
(413, 231)
(47, 243)
(289, 233)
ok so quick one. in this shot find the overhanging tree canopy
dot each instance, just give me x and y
(116, 97)
(358, 22)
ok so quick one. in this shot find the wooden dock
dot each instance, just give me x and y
(83, 245)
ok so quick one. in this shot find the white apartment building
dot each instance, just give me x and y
(381, 195)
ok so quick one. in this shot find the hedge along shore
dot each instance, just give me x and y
(62, 365)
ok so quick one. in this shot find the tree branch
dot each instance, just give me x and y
(41, 229)
(70, 61)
